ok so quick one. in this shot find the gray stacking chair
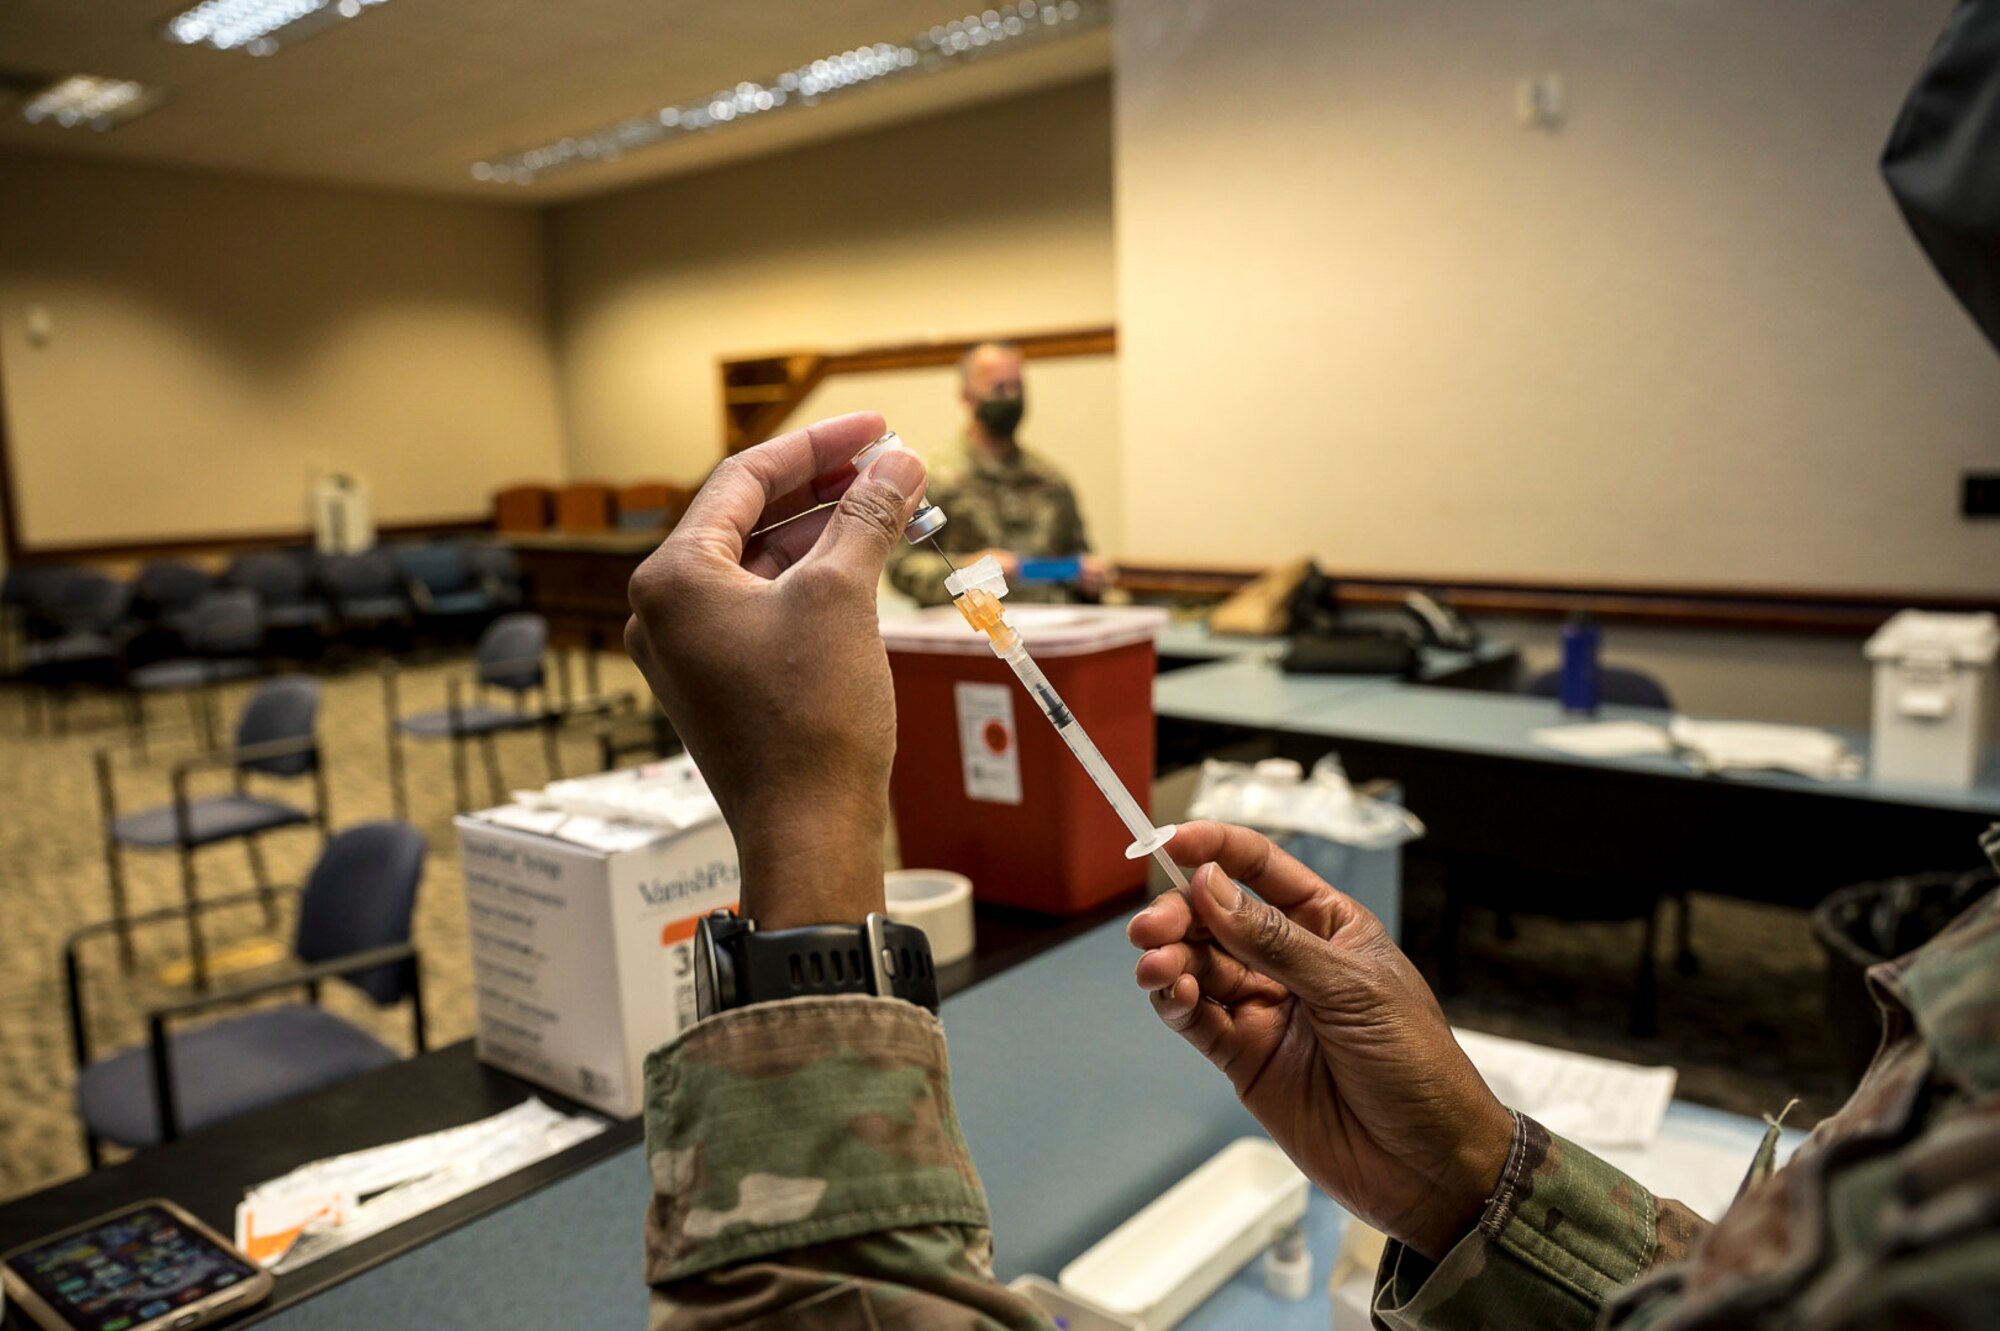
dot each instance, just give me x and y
(1620, 686)
(276, 736)
(283, 584)
(20, 590)
(78, 625)
(1479, 880)
(366, 589)
(224, 634)
(627, 729)
(353, 926)
(498, 571)
(509, 659)
(165, 594)
(1623, 686)
(444, 589)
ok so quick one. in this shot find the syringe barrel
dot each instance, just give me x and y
(1053, 707)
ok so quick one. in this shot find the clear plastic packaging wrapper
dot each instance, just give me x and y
(1279, 798)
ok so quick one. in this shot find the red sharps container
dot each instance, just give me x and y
(984, 786)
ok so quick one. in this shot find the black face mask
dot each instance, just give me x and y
(1943, 160)
(1000, 415)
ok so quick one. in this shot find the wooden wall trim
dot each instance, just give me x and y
(1744, 609)
(760, 392)
(1102, 341)
(219, 543)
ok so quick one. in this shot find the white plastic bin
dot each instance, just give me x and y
(1187, 1243)
(1933, 696)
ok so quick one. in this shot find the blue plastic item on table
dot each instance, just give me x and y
(1066, 569)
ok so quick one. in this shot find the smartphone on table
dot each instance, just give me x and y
(148, 1267)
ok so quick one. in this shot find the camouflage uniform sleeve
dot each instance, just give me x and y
(1563, 1231)
(809, 1172)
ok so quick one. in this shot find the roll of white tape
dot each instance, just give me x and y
(937, 901)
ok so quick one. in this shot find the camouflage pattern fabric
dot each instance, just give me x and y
(1022, 504)
(809, 1172)
(1888, 1215)
(1562, 1231)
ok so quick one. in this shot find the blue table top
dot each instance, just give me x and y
(1499, 725)
(1079, 1106)
(1250, 690)
(1253, 693)
(1185, 639)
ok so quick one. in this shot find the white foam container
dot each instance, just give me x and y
(1163, 1262)
(1933, 696)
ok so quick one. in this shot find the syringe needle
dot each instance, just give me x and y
(942, 555)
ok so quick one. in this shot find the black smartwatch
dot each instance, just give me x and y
(735, 965)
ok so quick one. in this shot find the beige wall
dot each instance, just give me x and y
(217, 341)
(1686, 338)
(994, 219)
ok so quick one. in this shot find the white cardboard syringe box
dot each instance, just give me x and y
(582, 958)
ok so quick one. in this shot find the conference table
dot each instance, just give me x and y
(1078, 1105)
(1469, 767)
(558, 1243)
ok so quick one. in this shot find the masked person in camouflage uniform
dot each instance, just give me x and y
(1001, 498)
(807, 1163)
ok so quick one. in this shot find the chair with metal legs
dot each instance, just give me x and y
(165, 593)
(353, 925)
(79, 627)
(293, 609)
(625, 729)
(276, 736)
(366, 590)
(445, 591)
(224, 635)
(510, 658)
(1627, 687)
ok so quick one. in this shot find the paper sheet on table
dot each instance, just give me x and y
(1594, 1101)
(1754, 746)
(606, 835)
(1702, 1176)
(328, 1204)
(1605, 739)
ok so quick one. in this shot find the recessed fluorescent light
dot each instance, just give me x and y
(956, 42)
(258, 26)
(86, 99)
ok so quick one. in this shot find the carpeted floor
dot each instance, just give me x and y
(51, 844)
(1747, 1032)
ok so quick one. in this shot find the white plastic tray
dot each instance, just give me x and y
(1159, 1265)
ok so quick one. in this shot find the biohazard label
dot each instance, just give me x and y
(987, 745)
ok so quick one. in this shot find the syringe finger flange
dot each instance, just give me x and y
(1146, 845)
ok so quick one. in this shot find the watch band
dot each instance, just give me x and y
(737, 964)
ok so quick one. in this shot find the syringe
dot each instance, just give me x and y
(976, 591)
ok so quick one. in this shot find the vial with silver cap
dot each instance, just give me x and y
(928, 520)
